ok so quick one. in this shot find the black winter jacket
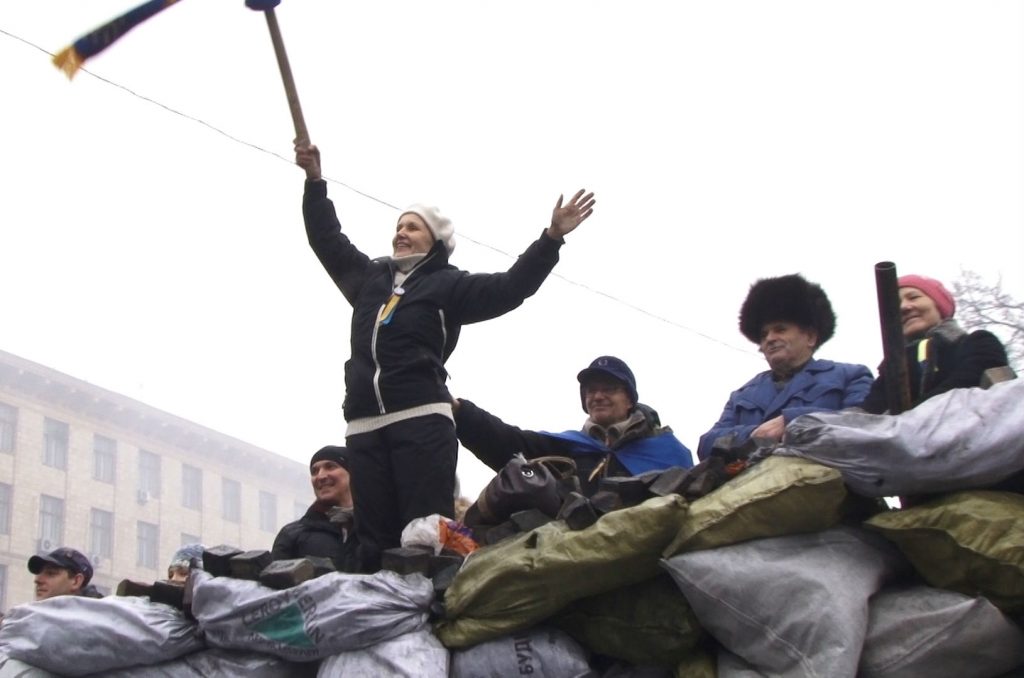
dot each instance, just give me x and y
(954, 360)
(314, 535)
(400, 364)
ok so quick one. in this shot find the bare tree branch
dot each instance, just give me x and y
(981, 305)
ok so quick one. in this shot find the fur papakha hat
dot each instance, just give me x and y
(788, 298)
(440, 226)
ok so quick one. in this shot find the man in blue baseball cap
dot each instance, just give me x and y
(621, 436)
(61, 572)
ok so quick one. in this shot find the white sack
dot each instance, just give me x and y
(790, 606)
(414, 655)
(12, 668)
(321, 617)
(923, 631)
(76, 636)
(965, 438)
(219, 662)
(538, 653)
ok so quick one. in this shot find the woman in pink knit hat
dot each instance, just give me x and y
(940, 354)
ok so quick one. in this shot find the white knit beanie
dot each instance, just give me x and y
(440, 226)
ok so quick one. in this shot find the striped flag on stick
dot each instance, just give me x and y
(71, 58)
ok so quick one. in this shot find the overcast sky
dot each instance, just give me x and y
(152, 240)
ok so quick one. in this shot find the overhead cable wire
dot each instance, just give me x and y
(381, 201)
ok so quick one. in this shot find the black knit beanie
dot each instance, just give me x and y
(332, 453)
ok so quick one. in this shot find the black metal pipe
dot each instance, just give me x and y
(894, 366)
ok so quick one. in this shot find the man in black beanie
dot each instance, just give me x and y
(788, 318)
(326, 529)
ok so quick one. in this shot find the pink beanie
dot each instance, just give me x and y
(935, 290)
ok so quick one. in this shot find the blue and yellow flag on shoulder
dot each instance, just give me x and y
(71, 58)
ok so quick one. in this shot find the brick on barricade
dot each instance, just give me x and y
(631, 490)
(169, 593)
(529, 519)
(605, 502)
(994, 375)
(577, 512)
(321, 565)
(443, 561)
(129, 587)
(495, 533)
(160, 591)
(406, 560)
(672, 480)
(248, 565)
(284, 574)
(217, 559)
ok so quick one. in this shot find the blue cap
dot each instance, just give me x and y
(608, 366)
(64, 557)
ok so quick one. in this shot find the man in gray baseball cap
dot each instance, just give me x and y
(61, 572)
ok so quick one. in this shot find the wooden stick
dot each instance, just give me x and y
(301, 135)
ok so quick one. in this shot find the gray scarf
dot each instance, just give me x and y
(948, 331)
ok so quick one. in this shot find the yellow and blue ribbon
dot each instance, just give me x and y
(71, 58)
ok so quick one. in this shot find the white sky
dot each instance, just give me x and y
(161, 254)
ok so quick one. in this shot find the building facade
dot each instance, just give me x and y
(124, 483)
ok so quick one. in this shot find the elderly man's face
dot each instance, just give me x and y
(56, 581)
(607, 400)
(787, 346)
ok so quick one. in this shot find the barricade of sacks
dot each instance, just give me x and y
(789, 564)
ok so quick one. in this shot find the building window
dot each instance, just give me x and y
(149, 476)
(298, 510)
(104, 458)
(232, 493)
(191, 487)
(101, 534)
(148, 545)
(187, 539)
(268, 512)
(51, 522)
(3, 587)
(55, 444)
(8, 426)
(6, 495)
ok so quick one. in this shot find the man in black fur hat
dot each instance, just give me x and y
(788, 318)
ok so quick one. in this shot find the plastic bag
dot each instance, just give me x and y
(439, 533)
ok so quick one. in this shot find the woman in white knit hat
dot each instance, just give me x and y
(407, 310)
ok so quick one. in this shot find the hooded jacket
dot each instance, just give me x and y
(397, 358)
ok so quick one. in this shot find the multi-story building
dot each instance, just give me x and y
(125, 483)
